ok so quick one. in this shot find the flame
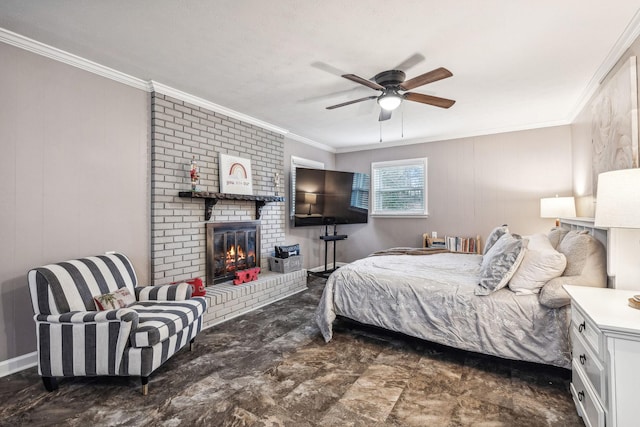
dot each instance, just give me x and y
(235, 256)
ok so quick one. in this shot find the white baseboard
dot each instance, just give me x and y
(20, 363)
(329, 266)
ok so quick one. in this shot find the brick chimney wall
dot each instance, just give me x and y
(182, 131)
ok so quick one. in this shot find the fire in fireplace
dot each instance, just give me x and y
(231, 247)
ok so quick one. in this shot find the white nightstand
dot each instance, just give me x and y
(605, 336)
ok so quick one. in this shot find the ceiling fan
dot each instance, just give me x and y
(391, 82)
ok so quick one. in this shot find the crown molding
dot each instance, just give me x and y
(25, 43)
(311, 142)
(450, 136)
(629, 35)
(34, 46)
(200, 102)
(626, 39)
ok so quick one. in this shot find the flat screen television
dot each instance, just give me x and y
(327, 197)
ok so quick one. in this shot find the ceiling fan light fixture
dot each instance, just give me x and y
(390, 100)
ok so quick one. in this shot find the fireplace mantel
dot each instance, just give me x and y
(210, 199)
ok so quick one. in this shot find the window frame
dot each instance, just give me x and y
(423, 212)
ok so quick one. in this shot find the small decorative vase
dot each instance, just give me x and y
(276, 182)
(193, 173)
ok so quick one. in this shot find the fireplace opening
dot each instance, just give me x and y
(231, 247)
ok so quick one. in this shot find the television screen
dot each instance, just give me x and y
(326, 197)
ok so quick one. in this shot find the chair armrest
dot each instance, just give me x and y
(111, 328)
(85, 317)
(179, 292)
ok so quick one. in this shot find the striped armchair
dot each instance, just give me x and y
(74, 339)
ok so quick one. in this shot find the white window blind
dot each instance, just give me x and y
(399, 188)
(299, 162)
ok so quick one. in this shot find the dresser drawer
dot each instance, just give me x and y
(589, 408)
(587, 330)
(588, 363)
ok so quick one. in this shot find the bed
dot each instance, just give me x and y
(437, 297)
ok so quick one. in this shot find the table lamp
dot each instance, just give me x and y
(618, 209)
(557, 207)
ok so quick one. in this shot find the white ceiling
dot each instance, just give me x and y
(515, 64)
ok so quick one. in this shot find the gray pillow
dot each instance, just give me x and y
(586, 266)
(556, 235)
(500, 263)
(553, 295)
(577, 246)
(493, 237)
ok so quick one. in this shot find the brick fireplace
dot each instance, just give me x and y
(181, 132)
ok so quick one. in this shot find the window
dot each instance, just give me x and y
(399, 188)
(299, 162)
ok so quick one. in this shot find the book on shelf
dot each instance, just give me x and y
(452, 243)
(463, 244)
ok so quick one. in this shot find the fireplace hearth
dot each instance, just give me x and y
(231, 247)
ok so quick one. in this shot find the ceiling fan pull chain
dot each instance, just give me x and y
(402, 122)
(380, 124)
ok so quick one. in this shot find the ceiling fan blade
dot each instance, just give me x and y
(384, 115)
(345, 93)
(411, 61)
(351, 102)
(327, 68)
(428, 99)
(423, 79)
(358, 79)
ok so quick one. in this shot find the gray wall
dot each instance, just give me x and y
(475, 184)
(74, 170)
(311, 246)
(74, 180)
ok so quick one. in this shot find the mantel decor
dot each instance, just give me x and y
(235, 175)
(193, 174)
(210, 199)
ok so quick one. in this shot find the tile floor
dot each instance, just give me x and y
(272, 368)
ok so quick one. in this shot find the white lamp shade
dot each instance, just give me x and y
(310, 198)
(557, 207)
(618, 200)
(389, 101)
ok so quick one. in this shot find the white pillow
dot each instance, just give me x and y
(541, 263)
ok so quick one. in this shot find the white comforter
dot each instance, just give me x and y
(431, 297)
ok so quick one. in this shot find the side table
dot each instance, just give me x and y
(605, 336)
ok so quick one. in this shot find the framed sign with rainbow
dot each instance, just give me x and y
(235, 175)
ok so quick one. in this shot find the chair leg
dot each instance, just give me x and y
(50, 383)
(145, 385)
(191, 344)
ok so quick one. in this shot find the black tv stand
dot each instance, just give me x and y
(329, 238)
